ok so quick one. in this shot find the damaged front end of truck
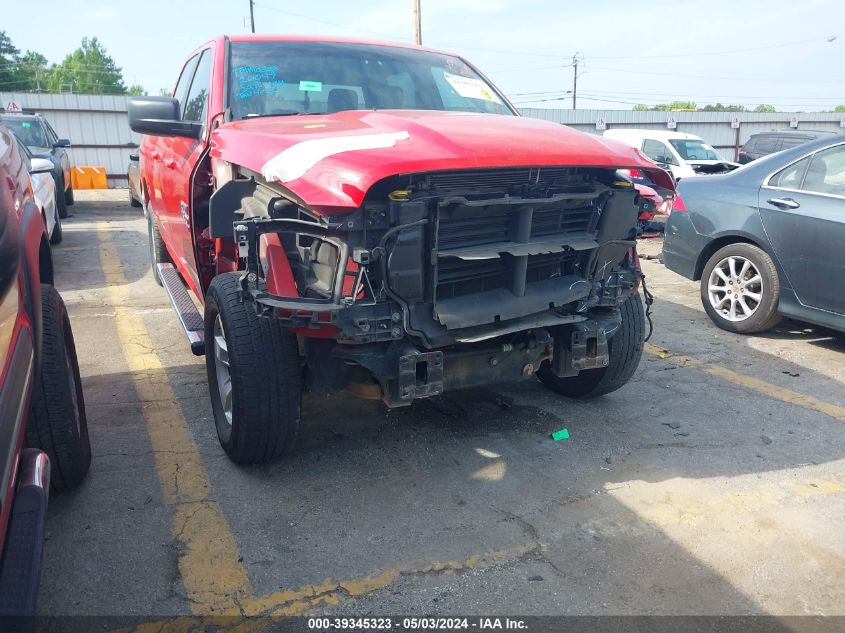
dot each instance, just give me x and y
(441, 280)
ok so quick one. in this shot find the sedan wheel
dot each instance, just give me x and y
(735, 288)
(740, 289)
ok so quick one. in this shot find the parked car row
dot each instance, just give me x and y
(766, 240)
(765, 143)
(43, 429)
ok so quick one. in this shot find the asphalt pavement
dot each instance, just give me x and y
(713, 483)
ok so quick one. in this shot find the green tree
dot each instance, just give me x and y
(676, 105)
(765, 107)
(666, 107)
(839, 108)
(31, 72)
(136, 90)
(718, 107)
(88, 70)
(8, 60)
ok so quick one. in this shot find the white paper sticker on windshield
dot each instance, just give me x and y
(471, 88)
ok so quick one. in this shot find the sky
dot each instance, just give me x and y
(749, 52)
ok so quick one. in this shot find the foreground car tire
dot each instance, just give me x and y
(740, 289)
(158, 251)
(625, 349)
(254, 376)
(56, 236)
(69, 196)
(61, 200)
(57, 424)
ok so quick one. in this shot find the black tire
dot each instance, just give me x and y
(56, 237)
(265, 374)
(133, 201)
(625, 349)
(61, 200)
(766, 314)
(158, 250)
(69, 196)
(57, 424)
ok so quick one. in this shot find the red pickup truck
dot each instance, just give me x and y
(43, 429)
(378, 218)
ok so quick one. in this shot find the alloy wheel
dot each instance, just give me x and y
(735, 288)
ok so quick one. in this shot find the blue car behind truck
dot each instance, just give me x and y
(766, 240)
(38, 135)
(43, 429)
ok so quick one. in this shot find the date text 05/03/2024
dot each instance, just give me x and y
(416, 623)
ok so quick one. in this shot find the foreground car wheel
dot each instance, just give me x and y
(56, 236)
(69, 196)
(254, 376)
(740, 289)
(57, 423)
(158, 251)
(625, 349)
(61, 200)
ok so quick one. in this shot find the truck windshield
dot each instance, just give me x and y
(283, 78)
(695, 150)
(29, 131)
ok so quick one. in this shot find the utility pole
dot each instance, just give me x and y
(417, 23)
(577, 57)
(252, 15)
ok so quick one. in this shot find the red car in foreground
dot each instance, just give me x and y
(43, 429)
(378, 218)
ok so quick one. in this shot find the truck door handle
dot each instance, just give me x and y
(170, 164)
(155, 156)
(783, 203)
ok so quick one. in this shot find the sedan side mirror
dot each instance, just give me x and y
(40, 166)
(62, 142)
(159, 116)
(133, 157)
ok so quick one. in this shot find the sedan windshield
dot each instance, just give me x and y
(29, 131)
(288, 78)
(695, 150)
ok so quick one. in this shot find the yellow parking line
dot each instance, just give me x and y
(208, 554)
(304, 599)
(752, 384)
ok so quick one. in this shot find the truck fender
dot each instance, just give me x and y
(37, 266)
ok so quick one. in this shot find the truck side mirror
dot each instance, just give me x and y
(62, 142)
(159, 116)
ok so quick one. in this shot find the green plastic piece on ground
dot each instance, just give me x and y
(563, 434)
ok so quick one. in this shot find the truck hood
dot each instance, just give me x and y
(332, 160)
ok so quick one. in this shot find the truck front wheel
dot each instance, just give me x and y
(254, 376)
(625, 349)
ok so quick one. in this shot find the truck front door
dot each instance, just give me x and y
(179, 157)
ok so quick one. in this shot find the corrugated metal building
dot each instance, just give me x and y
(713, 127)
(98, 125)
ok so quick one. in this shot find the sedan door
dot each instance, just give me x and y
(802, 208)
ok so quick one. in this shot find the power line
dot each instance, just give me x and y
(827, 38)
(692, 76)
